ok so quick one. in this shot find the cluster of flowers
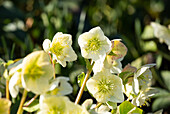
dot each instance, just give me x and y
(36, 73)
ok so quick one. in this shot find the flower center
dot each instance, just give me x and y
(57, 49)
(35, 72)
(93, 45)
(56, 110)
(105, 86)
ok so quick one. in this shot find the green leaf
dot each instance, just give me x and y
(161, 103)
(80, 80)
(158, 61)
(161, 93)
(150, 46)
(34, 106)
(128, 107)
(166, 78)
(147, 33)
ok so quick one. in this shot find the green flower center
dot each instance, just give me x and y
(35, 72)
(93, 45)
(57, 49)
(105, 86)
(56, 110)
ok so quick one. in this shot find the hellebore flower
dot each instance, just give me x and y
(94, 44)
(37, 71)
(142, 78)
(105, 87)
(60, 48)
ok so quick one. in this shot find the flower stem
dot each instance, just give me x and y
(82, 87)
(98, 105)
(31, 101)
(52, 63)
(22, 102)
(7, 92)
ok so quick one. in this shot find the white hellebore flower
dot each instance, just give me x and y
(60, 87)
(106, 87)
(94, 44)
(143, 96)
(142, 78)
(59, 105)
(60, 48)
(37, 71)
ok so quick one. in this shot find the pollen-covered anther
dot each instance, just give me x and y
(93, 45)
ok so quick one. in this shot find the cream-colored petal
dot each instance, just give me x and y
(65, 88)
(46, 45)
(69, 53)
(135, 85)
(64, 39)
(143, 69)
(14, 84)
(100, 97)
(92, 85)
(98, 33)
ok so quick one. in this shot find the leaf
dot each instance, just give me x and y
(166, 78)
(34, 106)
(81, 79)
(147, 33)
(162, 93)
(158, 61)
(161, 103)
(150, 46)
(127, 107)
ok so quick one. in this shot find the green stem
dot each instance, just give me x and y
(98, 105)
(82, 87)
(22, 102)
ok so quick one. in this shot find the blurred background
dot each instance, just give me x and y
(24, 24)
